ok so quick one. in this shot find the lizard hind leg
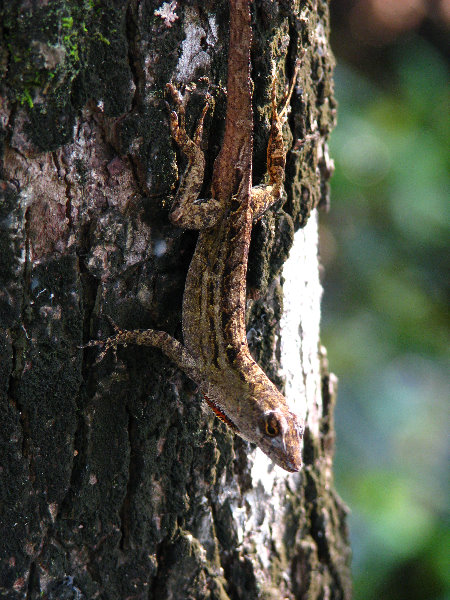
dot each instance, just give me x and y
(178, 124)
(288, 94)
(264, 196)
(276, 153)
(187, 211)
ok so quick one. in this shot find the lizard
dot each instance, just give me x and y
(215, 353)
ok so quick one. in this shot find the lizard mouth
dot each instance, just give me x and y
(291, 466)
(288, 458)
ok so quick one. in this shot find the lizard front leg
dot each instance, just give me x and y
(265, 195)
(171, 347)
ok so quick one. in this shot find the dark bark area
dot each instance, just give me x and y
(115, 481)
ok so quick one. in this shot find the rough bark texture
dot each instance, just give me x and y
(116, 483)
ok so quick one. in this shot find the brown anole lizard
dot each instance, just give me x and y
(215, 353)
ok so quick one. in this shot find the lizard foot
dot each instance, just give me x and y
(178, 119)
(110, 343)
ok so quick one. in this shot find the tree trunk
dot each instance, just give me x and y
(116, 481)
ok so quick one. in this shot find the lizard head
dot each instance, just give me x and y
(266, 421)
(279, 435)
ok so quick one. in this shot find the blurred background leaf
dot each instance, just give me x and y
(385, 315)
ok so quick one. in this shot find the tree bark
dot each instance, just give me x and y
(116, 481)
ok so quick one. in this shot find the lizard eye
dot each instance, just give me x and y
(271, 426)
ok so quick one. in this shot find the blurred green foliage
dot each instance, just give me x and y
(385, 322)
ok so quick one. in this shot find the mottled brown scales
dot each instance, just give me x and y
(215, 353)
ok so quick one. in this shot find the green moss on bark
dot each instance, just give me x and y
(56, 58)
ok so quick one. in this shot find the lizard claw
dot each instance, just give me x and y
(109, 344)
(114, 324)
(172, 90)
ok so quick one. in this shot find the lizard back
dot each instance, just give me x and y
(215, 292)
